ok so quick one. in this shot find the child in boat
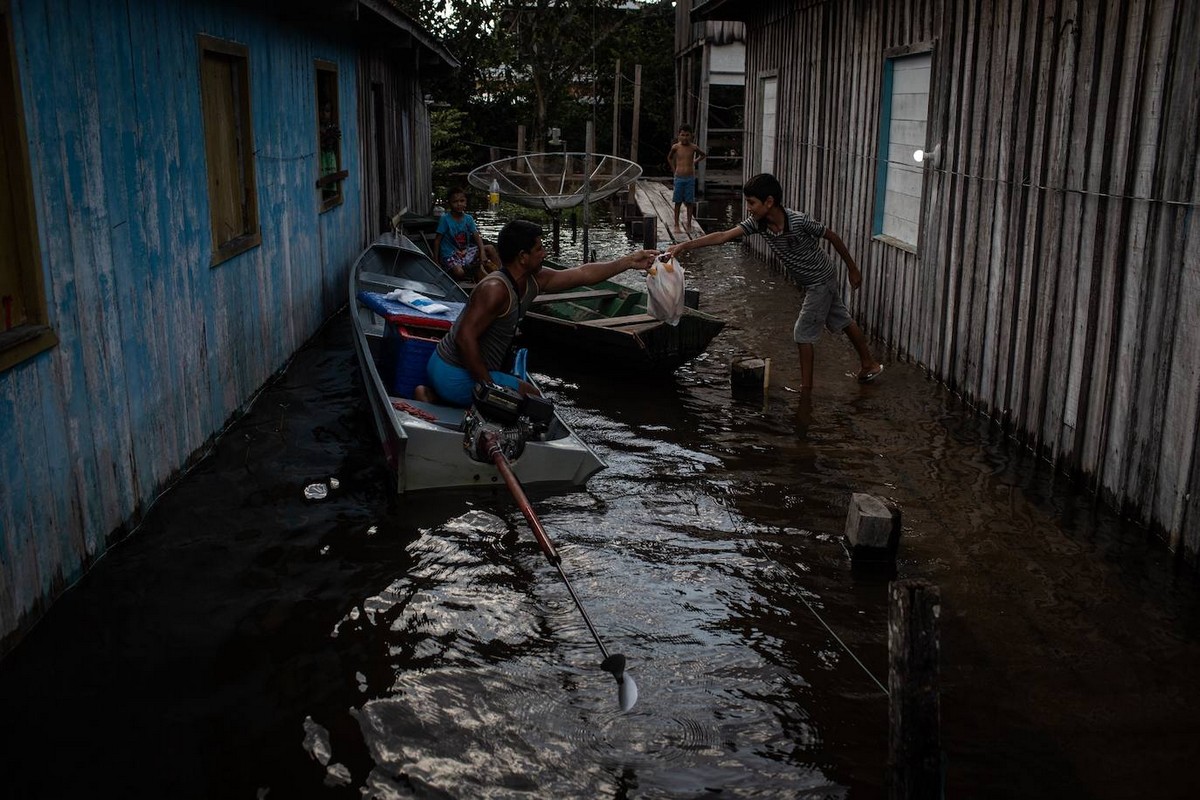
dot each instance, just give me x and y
(458, 244)
(796, 239)
(682, 159)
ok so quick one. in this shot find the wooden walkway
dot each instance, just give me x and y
(654, 200)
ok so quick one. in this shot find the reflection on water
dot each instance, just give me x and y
(425, 648)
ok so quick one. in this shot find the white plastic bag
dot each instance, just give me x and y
(664, 283)
(417, 300)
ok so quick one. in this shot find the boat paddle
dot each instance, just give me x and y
(627, 691)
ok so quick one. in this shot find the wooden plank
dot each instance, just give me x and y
(654, 199)
(587, 294)
(615, 322)
(1024, 66)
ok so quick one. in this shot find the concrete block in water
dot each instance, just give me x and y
(872, 528)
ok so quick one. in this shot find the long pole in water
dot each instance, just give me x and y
(627, 692)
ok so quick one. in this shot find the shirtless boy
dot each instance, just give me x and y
(683, 158)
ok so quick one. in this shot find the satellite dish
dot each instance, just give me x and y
(554, 181)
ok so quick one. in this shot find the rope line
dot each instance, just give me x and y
(799, 592)
(1026, 184)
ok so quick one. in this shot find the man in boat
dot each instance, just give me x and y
(476, 347)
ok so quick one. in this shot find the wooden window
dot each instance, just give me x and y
(229, 147)
(329, 137)
(24, 320)
(768, 111)
(900, 176)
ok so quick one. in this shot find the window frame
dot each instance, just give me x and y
(762, 78)
(327, 72)
(890, 57)
(35, 335)
(252, 237)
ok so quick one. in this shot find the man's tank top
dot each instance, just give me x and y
(494, 343)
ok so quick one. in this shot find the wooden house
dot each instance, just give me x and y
(1018, 180)
(187, 185)
(710, 77)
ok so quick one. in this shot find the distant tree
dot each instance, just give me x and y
(452, 154)
(550, 63)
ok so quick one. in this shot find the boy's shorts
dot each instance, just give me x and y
(823, 307)
(455, 386)
(462, 258)
(685, 190)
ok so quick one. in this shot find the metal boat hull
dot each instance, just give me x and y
(429, 455)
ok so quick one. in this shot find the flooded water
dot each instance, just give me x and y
(248, 642)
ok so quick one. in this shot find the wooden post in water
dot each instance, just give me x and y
(637, 111)
(914, 737)
(588, 166)
(616, 133)
(650, 233)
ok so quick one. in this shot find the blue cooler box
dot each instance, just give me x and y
(405, 354)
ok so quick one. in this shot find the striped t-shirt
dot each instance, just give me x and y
(798, 246)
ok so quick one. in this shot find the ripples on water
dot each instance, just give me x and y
(493, 684)
(704, 553)
(426, 648)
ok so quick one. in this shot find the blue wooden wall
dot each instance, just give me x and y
(157, 349)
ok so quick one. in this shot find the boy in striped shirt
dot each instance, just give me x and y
(796, 240)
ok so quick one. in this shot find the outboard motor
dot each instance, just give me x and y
(503, 413)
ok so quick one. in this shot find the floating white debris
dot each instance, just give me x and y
(316, 491)
(477, 522)
(334, 483)
(337, 775)
(316, 741)
(324, 550)
(371, 531)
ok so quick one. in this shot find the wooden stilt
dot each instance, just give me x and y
(914, 737)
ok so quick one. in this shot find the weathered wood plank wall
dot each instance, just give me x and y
(1059, 249)
(395, 123)
(157, 349)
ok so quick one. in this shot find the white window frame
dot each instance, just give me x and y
(768, 120)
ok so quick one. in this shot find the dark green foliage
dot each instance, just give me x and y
(450, 130)
(551, 63)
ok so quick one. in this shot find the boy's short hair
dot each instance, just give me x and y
(685, 128)
(454, 192)
(515, 237)
(762, 186)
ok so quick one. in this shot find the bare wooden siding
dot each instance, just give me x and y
(397, 167)
(157, 349)
(1059, 251)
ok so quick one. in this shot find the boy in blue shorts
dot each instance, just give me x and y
(683, 158)
(796, 239)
